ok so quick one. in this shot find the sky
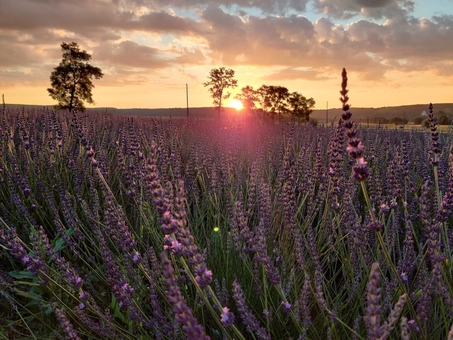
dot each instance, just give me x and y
(396, 52)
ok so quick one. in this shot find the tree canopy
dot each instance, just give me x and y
(275, 101)
(220, 79)
(71, 79)
(300, 107)
(249, 97)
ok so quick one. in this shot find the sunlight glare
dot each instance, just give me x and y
(236, 104)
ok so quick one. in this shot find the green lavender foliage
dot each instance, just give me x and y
(273, 210)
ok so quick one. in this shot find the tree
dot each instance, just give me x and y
(444, 120)
(273, 99)
(220, 79)
(399, 121)
(418, 120)
(300, 106)
(248, 96)
(71, 79)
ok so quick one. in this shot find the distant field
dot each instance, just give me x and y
(409, 112)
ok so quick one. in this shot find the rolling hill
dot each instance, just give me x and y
(409, 112)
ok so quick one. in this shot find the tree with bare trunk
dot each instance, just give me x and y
(220, 79)
(71, 79)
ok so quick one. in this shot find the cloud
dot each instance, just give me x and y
(373, 3)
(17, 54)
(346, 9)
(163, 22)
(292, 41)
(187, 57)
(279, 7)
(129, 38)
(130, 54)
(295, 74)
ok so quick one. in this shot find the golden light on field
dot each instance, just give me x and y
(236, 104)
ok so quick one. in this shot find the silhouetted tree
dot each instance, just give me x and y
(273, 99)
(248, 96)
(444, 120)
(71, 79)
(398, 121)
(300, 106)
(220, 79)
(418, 120)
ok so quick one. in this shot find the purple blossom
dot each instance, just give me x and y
(183, 313)
(67, 326)
(373, 318)
(246, 314)
(286, 306)
(361, 171)
(227, 317)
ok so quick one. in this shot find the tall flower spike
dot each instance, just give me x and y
(247, 316)
(355, 147)
(435, 145)
(393, 317)
(373, 318)
(68, 329)
(182, 312)
(405, 333)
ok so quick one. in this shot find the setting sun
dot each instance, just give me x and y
(236, 104)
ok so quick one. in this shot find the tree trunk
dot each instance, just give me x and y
(71, 102)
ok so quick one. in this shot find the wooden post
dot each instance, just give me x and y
(187, 100)
(327, 113)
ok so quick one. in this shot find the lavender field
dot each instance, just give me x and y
(140, 228)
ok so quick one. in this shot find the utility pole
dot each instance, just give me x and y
(327, 113)
(187, 99)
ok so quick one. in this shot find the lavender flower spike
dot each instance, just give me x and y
(355, 147)
(183, 313)
(393, 317)
(227, 317)
(373, 318)
(405, 333)
(248, 318)
(68, 329)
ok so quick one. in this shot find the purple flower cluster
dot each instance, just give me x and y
(447, 201)
(68, 272)
(171, 208)
(183, 312)
(355, 147)
(115, 277)
(432, 228)
(227, 317)
(119, 232)
(435, 144)
(35, 263)
(67, 326)
(262, 201)
(336, 146)
(373, 309)
(246, 314)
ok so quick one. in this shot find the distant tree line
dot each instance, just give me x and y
(442, 118)
(383, 120)
(269, 101)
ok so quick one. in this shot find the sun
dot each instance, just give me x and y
(236, 104)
